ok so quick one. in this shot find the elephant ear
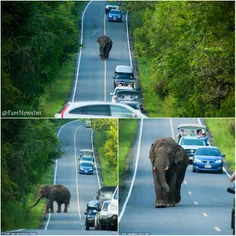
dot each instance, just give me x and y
(179, 154)
(151, 154)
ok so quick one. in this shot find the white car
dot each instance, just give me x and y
(112, 210)
(117, 89)
(98, 109)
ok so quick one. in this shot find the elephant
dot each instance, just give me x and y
(58, 193)
(169, 163)
(105, 46)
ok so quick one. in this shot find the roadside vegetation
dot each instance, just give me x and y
(127, 135)
(39, 45)
(29, 149)
(185, 56)
(105, 144)
(223, 132)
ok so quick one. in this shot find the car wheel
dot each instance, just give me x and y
(221, 171)
(87, 227)
(194, 170)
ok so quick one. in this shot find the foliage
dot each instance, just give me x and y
(106, 139)
(189, 48)
(37, 38)
(29, 148)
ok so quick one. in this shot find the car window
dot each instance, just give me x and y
(116, 195)
(117, 111)
(105, 205)
(102, 110)
(208, 152)
(124, 76)
(196, 142)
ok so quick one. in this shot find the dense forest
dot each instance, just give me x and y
(37, 38)
(29, 149)
(188, 48)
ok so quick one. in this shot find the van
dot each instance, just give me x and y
(88, 123)
(124, 76)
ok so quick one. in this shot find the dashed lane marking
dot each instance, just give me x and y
(195, 203)
(189, 193)
(205, 214)
(185, 182)
(217, 229)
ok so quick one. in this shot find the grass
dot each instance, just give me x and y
(223, 137)
(127, 132)
(109, 174)
(57, 93)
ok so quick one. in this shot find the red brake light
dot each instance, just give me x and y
(64, 109)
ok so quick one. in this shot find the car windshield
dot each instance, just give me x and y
(92, 212)
(194, 142)
(86, 159)
(124, 76)
(208, 152)
(86, 164)
(115, 12)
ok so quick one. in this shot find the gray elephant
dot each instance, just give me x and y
(169, 164)
(105, 44)
(57, 193)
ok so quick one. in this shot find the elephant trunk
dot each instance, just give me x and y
(162, 177)
(38, 200)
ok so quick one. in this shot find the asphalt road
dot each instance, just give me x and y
(205, 207)
(95, 79)
(73, 136)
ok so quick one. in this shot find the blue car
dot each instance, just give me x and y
(208, 158)
(115, 15)
(86, 168)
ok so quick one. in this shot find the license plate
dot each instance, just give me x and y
(114, 18)
(208, 166)
(86, 171)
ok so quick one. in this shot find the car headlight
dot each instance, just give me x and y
(90, 169)
(192, 151)
(197, 160)
(218, 161)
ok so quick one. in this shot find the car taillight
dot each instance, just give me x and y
(63, 110)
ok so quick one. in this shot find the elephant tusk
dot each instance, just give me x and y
(166, 168)
(154, 167)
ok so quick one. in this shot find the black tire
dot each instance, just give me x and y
(87, 227)
(221, 171)
(194, 170)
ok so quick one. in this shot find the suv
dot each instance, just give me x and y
(190, 144)
(90, 213)
(124, 75)
(101, 218)
(112, 211)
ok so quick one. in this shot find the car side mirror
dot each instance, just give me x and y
(223, 155)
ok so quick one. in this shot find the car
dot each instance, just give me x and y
(101, 218)
(208, 159)
(132, 104)
(123, 75)
(112, 211)
(98, 109)
(117, 89)
(190, 144)
(90, 213)
(111, 5)
(130, 95)
(192, 129)
(115, 15)
(86, 168)
(88, 123)
(86, 152)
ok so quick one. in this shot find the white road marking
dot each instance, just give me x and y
(185, 182)
(172, 129)
(195, 203)
(189, 193)
(105, 80)
(76, 173)
(205, 214)
(127, 33)
(99, 184)
(217, 229)
(135, 171)
(80, 51)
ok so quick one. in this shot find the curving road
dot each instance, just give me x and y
(205, 207)
(95, 77)
(73, 136)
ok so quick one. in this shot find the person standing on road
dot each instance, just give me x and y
(180, 135)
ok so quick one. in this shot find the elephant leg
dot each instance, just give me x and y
(171, 180)
(49, 206)
(66, 205)
(160, 192)
(179, 181)
(102, 52)
(59, 207)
